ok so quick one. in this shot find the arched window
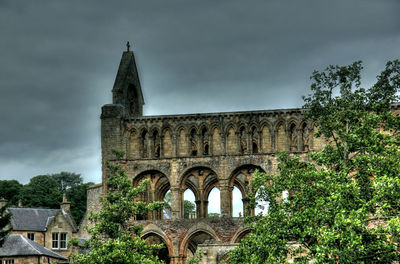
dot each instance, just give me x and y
(243, 140)
(254, 139)
(143, 144)
(189, 204)
(262, 206)
(205, 139)
(305, 137)
(237, 203)
(193, 143)
(167, 213)
(293, 140)
(156, 144)
(214, 203)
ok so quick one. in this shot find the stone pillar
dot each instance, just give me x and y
(273, 141)
(162, 146)
(205, 209)
(223, 142)
(177, 259)
(198, 208)
(225, 198)
(246, 210)
(176, 202)
(174, 145)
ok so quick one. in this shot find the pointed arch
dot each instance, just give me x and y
(266, 136)
(182, 144)
(280, 136)
(167, 142)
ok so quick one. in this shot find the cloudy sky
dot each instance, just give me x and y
(59, 60)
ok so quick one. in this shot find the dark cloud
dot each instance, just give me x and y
(59, 60)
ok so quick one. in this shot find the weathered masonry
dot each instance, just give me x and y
(196, 152)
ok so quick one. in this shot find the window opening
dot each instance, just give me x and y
(214, 203)
(31, 236)
(237, 203)
(167, 214)
(189, 205)
(54, 243)
(262, 205)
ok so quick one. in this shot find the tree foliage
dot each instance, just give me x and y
(9, 190)
(77, 195)
(343, 204)
(115, 239)
(188, 208)
(5, 224)
(41, 191)
(67, 180)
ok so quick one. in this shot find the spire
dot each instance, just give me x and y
(127, 90)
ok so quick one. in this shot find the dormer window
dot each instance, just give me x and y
(31, 236)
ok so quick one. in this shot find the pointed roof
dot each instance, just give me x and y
(36, 219)
(17, 245)
(127, 73)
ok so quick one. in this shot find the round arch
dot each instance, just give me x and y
(198, 234)
(240, 234)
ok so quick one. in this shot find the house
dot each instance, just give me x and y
(18, 249)
(49, 228)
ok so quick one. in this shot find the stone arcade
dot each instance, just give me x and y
(198, 152)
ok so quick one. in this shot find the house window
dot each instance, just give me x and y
(63, 240)
(55, 240)
(59, 240)
(9, 261)
(31, 236)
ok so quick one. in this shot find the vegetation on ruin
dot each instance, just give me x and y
(114, 238)
(343, 204)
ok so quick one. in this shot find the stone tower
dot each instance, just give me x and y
(127, 91)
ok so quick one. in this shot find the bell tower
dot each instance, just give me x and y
(127, 90)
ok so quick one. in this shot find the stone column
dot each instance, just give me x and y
(176, 201)
(273, 141)
(225, 198)
(162, 146)
(223, 142)
(205, 209)
(198, 209)
(174, 145)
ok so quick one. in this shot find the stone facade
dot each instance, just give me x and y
(199, 152)
(30, 260)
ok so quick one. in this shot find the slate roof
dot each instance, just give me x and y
(18, 245)
(36, 219)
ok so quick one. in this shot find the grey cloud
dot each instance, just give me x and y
(59, 60)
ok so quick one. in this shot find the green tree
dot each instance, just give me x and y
(343, 206)
(77, 195)
(67, 180)
(188, 208)
(41, 191)
(10, 190)
(213, 215)
(5, 224)
(115, 239)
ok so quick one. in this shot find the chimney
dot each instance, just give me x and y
(65, 205)
(3, 202)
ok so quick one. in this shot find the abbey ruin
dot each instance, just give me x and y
(196, 152)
